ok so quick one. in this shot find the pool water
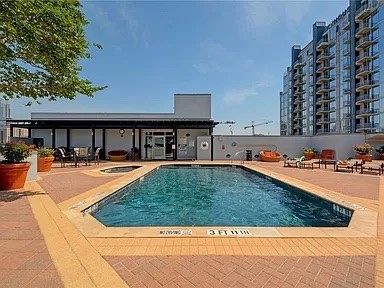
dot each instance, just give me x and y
(216, 196)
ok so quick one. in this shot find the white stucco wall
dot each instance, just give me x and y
(191, 142)
(81, 137)
(43, 133)
(113, 140)
(203, 150)
(193, 106)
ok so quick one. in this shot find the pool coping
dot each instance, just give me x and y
(363, 222)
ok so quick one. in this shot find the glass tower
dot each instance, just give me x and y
(333, 84)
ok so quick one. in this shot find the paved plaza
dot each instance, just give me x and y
(41, 246)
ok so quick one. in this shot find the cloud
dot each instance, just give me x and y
(261, 16)
(239, 95)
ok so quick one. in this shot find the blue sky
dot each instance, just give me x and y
(235, 50)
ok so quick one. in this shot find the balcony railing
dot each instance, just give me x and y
(346, 103)
(363, 28)
(366, 98)
(364, 11)
(367, 112)
(323, 56)
(364, 42)
(366, 84)
(365, 70)
(322, 44)
(324, 99)
(366, 56)
(367, 125)
(347, 115)
(323, 66)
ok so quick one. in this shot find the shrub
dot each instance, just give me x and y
(16, 152)
(363, 148)
(45, 152)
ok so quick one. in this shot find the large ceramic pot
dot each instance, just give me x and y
(309, 155)
(44, 164)
(364, 157)
(13, 176)
(117, 155)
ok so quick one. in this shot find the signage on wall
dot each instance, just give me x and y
(229, 232)
(204, 145)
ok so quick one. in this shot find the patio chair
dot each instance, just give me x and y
(345, 165)
(293, 162)
(83, 154)
(96, 156)
(372, 168)
(64, 157)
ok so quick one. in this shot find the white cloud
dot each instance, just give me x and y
(260, 16)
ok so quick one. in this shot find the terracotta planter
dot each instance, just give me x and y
(309, 155)
(365, 157)
(44, 164)
(13, 176)
(117, 155)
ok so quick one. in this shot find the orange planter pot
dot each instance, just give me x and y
(366, 158)
(309, 155)
(44, 164)
(13, 176)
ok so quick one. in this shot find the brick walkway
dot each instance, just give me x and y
(25, 261)
(24, 258)
(245, 271)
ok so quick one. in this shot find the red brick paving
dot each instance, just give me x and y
(24, 258)
(65, 183)
(245, 271)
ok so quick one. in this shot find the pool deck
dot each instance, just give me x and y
(44, 242)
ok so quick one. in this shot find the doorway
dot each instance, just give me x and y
(158, 147)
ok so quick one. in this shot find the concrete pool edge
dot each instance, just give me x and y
(362, 224)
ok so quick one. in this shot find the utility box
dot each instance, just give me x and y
(249, 155)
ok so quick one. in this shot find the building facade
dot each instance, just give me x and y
(4, 115)
(335, 84)
(154, 136)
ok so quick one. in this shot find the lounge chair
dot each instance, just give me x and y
(346, 165)
(294, 162)
(372, 168)
(270, 156)
(310, 163)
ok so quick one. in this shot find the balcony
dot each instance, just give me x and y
(322, 44)
(365, 70)
(364, 42)
(346, 103)
(323, 120)
(323, 67)
(366, 112)
(324, 110)
(298, 82)
(298, 74)
(297, 64)
(324, 99)
(347, 115)
(366, 126)
(322, 57)
(323, 78)
(298, 108)
(347, 40)
(363, 28)
(298, 92)
(346, 52)
(347, 66)
(364, 11)
(298, 117)
(298, 100)
(346, 26)
(367, 98)
(322, 131)
(347, 91)
(323, 89)
(364, 57)
(365, 84)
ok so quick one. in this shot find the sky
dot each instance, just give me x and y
(237, 51)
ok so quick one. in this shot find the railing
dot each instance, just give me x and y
(239, 153)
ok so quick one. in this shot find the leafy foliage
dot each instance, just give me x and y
(15, 152)
(45, 152)
(363, 148)
(380, 150)
(308, 150)
(41, 42)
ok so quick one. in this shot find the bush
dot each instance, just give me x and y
(363, 148)
(16, 152)
(45, 152)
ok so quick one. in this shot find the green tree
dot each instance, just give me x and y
(41, 43)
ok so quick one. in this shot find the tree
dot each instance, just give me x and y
(41, 43)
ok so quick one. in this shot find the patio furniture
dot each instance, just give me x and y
(81, 154)
(64, 157)
(372, 168)
(117, 155)
(345, 166)
(313, 163)
(293, 162)
(269, 156)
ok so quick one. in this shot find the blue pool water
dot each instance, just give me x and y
(216, 196)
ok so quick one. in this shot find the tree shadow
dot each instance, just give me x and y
(13, 195)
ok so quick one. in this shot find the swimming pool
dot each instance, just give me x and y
(120, 169)
(194, 195)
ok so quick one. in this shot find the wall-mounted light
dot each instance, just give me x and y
(121, 132)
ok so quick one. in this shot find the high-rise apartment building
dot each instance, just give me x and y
(335, 84)
(4, 114)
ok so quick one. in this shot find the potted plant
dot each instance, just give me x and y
(380, 151)
(14, 168)
(309, 153)
(363, 152)
(44, 159)
(117, 155)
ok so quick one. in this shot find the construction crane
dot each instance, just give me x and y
(253, 125)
